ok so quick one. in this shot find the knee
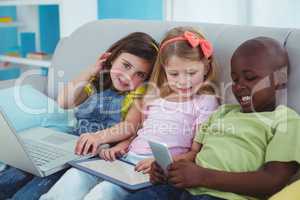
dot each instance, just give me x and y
(74, 174)
(106, 191)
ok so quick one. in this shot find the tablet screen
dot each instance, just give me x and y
(118, 170)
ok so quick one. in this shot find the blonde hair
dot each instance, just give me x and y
(180, 49)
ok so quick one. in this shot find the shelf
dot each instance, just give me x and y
(28, 2)
(10, 24)
(26, 61)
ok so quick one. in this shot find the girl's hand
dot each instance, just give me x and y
(184, 174)
(144, 165)
(113, 153)
(157, 174)
(99, 64)
(87, 143)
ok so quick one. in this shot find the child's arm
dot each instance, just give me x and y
(261, 183)
(116, 151)
(189, 156)
(73, 93)
(145, 165)
(121, 131)
(156, 172)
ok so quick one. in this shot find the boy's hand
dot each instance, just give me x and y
(184, 174)
(144, 165)
(113, 153)
(99, 64)
(157, 174)
(87, 143)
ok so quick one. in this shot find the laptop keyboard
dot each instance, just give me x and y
(42, 153)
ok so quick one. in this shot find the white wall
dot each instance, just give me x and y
(213, 11)
(74, 13)
(282, 13)
(275, 13)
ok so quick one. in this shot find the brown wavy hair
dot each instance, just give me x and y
(137, 43)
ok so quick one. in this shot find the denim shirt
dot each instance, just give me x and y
(100, 111)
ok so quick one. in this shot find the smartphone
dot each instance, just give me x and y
(161, 154)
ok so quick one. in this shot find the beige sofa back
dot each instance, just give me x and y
(82, 48)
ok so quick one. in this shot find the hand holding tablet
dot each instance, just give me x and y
(161, 154)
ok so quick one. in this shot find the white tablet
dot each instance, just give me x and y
(161, 154)
(119, 172)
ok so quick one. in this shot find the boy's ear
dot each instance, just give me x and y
(280, 78)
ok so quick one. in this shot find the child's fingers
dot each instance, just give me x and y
(147, 170)
(174, 166)
(138, 166)
(112, 155)
(174, 180)
(118, 153)
(179, 185)
(157, 168)
(101, 154)
(145, 167)
(174, 177)
(159, 175)
(95, 148)
(156, 178)
(172, 173)
(81, 145)
(87, 147)
(102, 59)
(156, 175)
(78, 145)
(105, 55)
(142, 165)
(106, 155)
(122, 152)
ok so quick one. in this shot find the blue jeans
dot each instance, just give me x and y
(16, 184)
(167, 192)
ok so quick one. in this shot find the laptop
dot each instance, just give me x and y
(39, 151)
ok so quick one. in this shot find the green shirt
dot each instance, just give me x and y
(242, 142)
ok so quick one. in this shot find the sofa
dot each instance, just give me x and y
(83, 46)
(81, 49)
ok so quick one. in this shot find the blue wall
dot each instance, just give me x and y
(49, 27)
(131, 9)
(49, 20)
(8, 36)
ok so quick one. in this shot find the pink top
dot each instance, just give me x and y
(173, 123)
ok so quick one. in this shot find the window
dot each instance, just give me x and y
(279, 13)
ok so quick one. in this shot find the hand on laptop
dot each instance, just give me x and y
(88, 143)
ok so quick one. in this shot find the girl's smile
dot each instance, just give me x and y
(129, 71)
(184, 76)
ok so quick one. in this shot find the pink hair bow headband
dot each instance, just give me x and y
(194, 41)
